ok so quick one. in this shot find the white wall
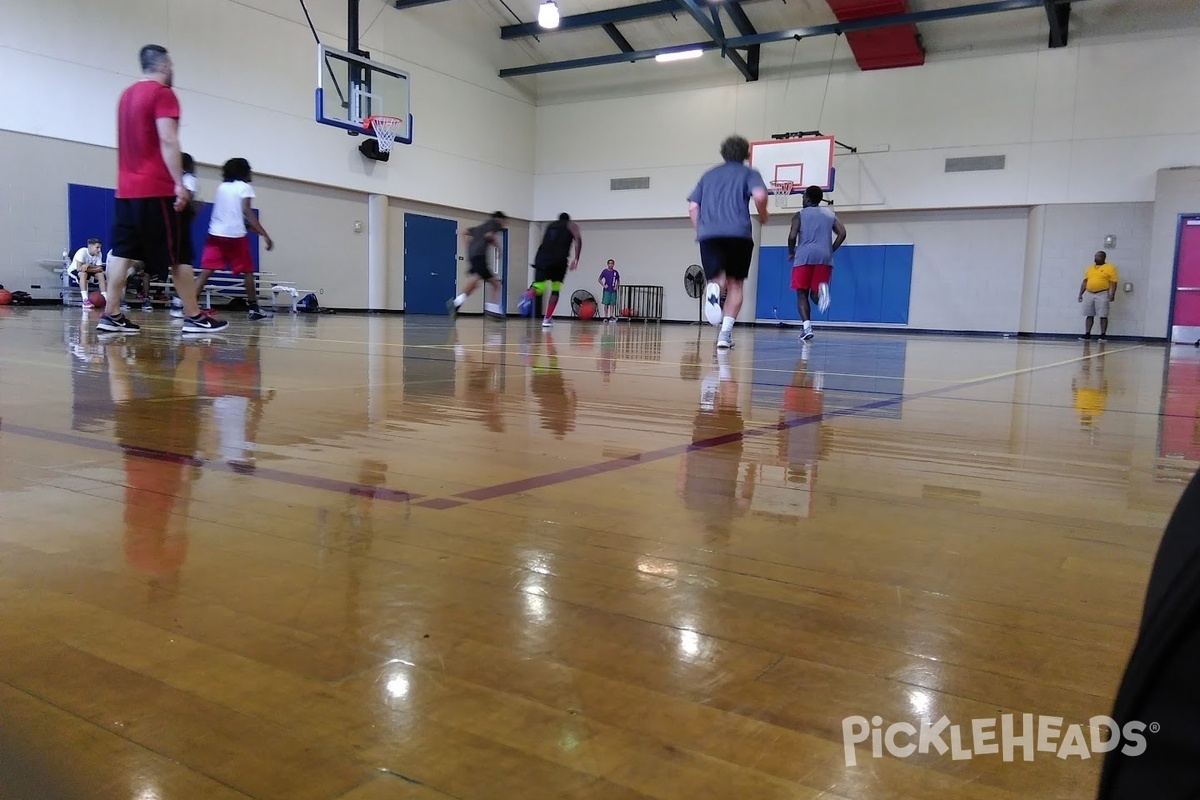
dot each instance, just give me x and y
(313, 226)
(245, 75)
(967, 263)
(1072, 235)
(1084, 124)
(653, 252)
(974, 269)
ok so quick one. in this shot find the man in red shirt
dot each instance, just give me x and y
(147, 224)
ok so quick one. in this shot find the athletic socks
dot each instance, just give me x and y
(727, 324)
(458, 301)
(550, 307)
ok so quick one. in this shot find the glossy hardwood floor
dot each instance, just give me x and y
(351, 557)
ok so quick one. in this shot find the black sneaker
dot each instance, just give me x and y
(202, 324)
(116, 324)
(256, 314)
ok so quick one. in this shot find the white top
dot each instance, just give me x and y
(85, 259)
(227, 218)
(189, 183)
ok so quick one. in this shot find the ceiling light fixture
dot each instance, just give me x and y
(548, 14)
(681, 55)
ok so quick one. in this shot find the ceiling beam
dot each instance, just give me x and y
(746, 28)
(740, 20)
(593, 19)
(1059, 16)
(657, 8)
(979, 9)
(403, 4)
(713, 29)
(913, 17)
(618, 38)
(597, 61)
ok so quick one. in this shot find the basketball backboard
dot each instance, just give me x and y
(351, 88)
(803, 162)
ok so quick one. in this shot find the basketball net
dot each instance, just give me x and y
(781, 190)
(385, 129)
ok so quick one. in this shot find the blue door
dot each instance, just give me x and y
(430, 263)
(89, 215)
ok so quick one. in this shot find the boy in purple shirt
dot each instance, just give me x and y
(610, 279)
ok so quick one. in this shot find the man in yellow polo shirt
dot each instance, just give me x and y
(1098, 289)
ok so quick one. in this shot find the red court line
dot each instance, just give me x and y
(591, 470)
(309, 481)
(441, 503)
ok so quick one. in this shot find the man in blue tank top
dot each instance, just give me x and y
(811, 245)
(720, 210)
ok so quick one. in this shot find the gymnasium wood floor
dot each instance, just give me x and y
(352, 557)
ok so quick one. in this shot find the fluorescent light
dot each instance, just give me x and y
(662, 58)
(548, 14)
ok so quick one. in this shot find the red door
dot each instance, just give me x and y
(1185, 305)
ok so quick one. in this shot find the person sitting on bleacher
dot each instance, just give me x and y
(86, 264)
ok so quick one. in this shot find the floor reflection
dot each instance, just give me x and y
(710, 477)
(556, 396)
(1089, 388)
(156, 411)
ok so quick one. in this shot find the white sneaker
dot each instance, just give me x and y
(725, 340)
(712, 305)
(823, 297)
(547, 323)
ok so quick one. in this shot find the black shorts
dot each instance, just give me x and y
(726, 256)
(479, 266)
(550, 272)
(148, 229)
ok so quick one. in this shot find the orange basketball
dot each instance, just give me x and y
(587, 310)
(626, 312)
(5, 297)
(97, 299)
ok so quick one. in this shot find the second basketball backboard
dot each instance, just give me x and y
(351, 89)
(802, 162)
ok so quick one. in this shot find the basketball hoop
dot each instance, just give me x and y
(780, 190)
(385, 128)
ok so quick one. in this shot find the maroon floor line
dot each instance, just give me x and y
(590, 470)
(310, 481)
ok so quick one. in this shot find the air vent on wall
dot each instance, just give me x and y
(619, 184)
(974, 163)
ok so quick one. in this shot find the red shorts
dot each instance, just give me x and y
(810, 276)
(220, 251)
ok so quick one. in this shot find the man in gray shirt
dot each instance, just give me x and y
(479, 239)
(720, 210)
(812, 261)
